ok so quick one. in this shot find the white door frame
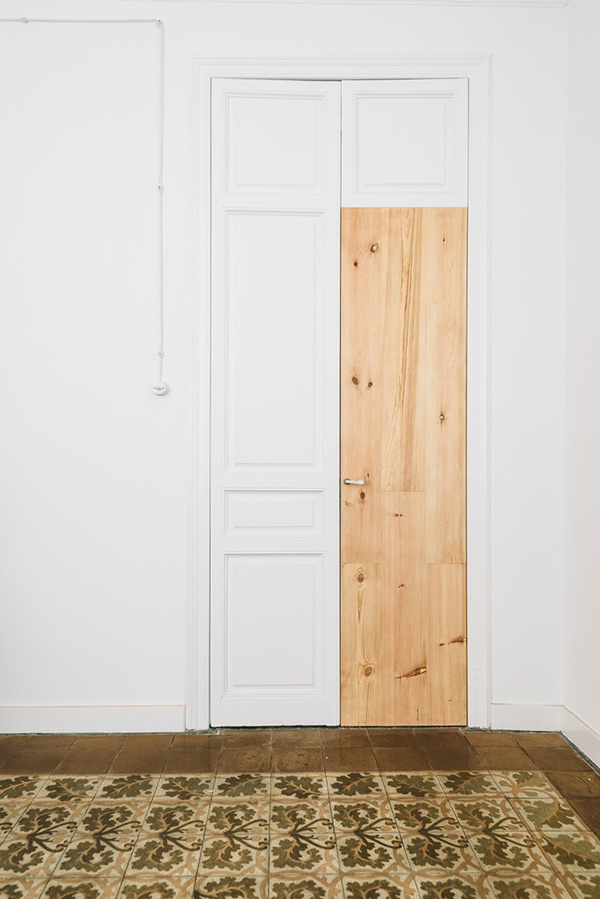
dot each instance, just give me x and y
(477, 69)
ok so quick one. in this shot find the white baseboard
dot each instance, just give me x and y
(517, 716)
(91, 719)
(583, 737)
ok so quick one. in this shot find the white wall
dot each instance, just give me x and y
(96, 573)
(582, 539)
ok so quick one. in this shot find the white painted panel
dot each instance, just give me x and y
(275, 513)
(274, 285)
(275, 141)
(277, 599)
(275, 402)
(405, 143)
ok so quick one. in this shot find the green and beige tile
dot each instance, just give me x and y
(468, 783)
(346, 835)
(22, 888)
(242, 786)
(312, 886)
(186, 788)
(303, 851)
(402, 886)
(306, 787)
(370, 851)
(350, 815)
(77, 790)
(231, 886)
(523, 783)
(353, 784)
(437, 850)
(543, 885)
(546, 812)
(140, 787)
(571, 853)
(239, 853)
(414, 815)
(157, 888)
(82, 888)
(417, 785)
(233, 816)
(473, 885)
(486, 814)
(309, 816)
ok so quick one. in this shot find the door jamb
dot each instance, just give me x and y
(477, 69)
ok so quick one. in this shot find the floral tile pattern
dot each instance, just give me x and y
(348, 835)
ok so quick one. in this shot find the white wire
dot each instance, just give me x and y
(161, 144)
(161, 151)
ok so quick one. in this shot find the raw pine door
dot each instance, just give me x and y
(403, 404)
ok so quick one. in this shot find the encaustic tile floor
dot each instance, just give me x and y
(298, 814)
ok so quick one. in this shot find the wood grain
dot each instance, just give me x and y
(403, 385)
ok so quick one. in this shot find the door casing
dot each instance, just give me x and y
(476, 70)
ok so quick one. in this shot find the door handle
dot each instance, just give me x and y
(357, 483)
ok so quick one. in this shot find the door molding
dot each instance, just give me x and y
(477, 69)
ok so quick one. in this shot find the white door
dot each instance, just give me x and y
(275, 406)
(276, 170)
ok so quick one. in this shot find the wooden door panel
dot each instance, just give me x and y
(403, 385)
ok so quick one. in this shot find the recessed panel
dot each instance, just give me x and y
(275, 143)
(405, 143)
(273, 513)
(272, 609)
(274, 342)
(401, 143)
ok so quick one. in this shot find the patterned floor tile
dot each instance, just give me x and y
(176, 823)
(372, 852)
(113, 825)
(306, 887)
(486, 814)
(242, 786)
(94, 857)
(299, 786)
(10, 812)
(231, 887)
(463, 886)
(582, 886)
(547, 813)
(155, 856)
(78, 790)
(505, 852)
(530, 886)
(402, 886)
(128, 786)
(157, 888)
(20, 786)
(82, 888)
(523, 783)
(353, 784)
(186, 788)
(38, 839)
(416, 814)
(303, 852)
(23, 858)
(21, 888)
(419, 786)
(239, 817)
(437, 851)
(570, 852)
(288, 817)
(238, 854)
(350, 815)
(468, 783)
